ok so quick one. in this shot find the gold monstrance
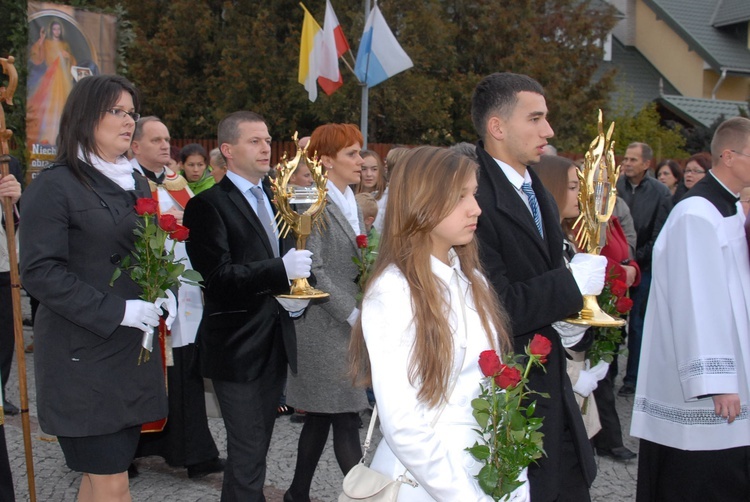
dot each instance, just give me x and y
(301, 224)
(597, 201)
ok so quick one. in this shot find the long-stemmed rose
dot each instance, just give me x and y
(365, 259)
(613, 301)
(509, 436)
(151, 265)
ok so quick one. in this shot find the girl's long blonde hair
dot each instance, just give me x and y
(423, 191)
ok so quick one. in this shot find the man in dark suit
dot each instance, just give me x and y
(521, 245)
(246, 337)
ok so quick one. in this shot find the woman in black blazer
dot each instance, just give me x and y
(78, 225)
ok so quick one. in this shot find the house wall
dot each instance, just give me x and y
(669, 53)
(733, 88)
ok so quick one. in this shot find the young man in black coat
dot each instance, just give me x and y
(521, 244)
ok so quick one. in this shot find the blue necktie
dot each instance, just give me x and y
(526, 187)
(265, 219)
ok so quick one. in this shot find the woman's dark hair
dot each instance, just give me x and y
(86, 104)
(703, 159)
(193, 149)
(673, 166)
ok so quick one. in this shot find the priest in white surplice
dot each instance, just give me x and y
(691, 401)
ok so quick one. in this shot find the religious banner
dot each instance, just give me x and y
(65, 45)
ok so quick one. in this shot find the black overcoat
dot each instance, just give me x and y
(74, 235)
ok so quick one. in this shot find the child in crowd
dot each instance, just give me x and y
(369, 207)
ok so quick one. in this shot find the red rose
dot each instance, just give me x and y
(489, 363)
(146, 206)
(618, 288)
(180, 234)
(362, 241)
(540, 346)
(168, 222)
(624, 305)
(508, 377)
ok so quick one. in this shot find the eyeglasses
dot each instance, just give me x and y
(694, 171)
(120, 114)
(740, 153)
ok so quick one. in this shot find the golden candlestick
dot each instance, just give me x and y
(597, 202)
(287, 218)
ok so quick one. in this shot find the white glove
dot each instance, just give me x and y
(293, 306)
(170, 305)
(570, 334)
(588, 270)
(523, 492)
(600, 370)
(297, 263)
(141, 315)
(586, 383)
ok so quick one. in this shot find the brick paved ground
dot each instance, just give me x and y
(161, 483)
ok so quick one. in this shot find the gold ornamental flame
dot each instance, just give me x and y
(597, 202)
(286, 196)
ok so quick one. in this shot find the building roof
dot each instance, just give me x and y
(637, 81)
(700, 111)
(692, 20)
(729, 12)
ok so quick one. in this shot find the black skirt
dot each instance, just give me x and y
(105, 454)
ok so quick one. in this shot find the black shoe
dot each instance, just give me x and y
(620, 453)
(10, 409)
(132, 471)
(626, 390)
(196, 471)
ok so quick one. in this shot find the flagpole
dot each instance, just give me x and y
(365, 94)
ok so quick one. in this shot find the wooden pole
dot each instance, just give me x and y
(6, 94)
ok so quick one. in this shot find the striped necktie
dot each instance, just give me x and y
(265, 219)
(526, 187)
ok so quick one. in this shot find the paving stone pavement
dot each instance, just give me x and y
(158, 482)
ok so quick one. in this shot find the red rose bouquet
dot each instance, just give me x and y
(613, 301)
(151, 265)
(365, 259)
(509, 437)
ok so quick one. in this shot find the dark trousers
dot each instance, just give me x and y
(573, 486)
(639, 295)
(610, 436)
(7, 335)
(670, 475)
(186, 439)
(249, 411)
(6, 478)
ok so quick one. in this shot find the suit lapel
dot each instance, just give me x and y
(238, 199)
(509, 202)
(338, 217)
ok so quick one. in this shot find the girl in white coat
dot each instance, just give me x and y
(427, 314)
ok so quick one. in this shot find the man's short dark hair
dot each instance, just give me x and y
(497, 94)
(646, 152)
(229, 127)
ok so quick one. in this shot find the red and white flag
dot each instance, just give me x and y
(333, 44)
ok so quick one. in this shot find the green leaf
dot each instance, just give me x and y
(482, 418)
(479, 451)
(480, 404)
(115, 275)
(488, 478)
(192, 275)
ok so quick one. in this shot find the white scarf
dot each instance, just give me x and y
(346, 203)
(120, 172)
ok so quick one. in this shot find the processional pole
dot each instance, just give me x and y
(6, 95)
